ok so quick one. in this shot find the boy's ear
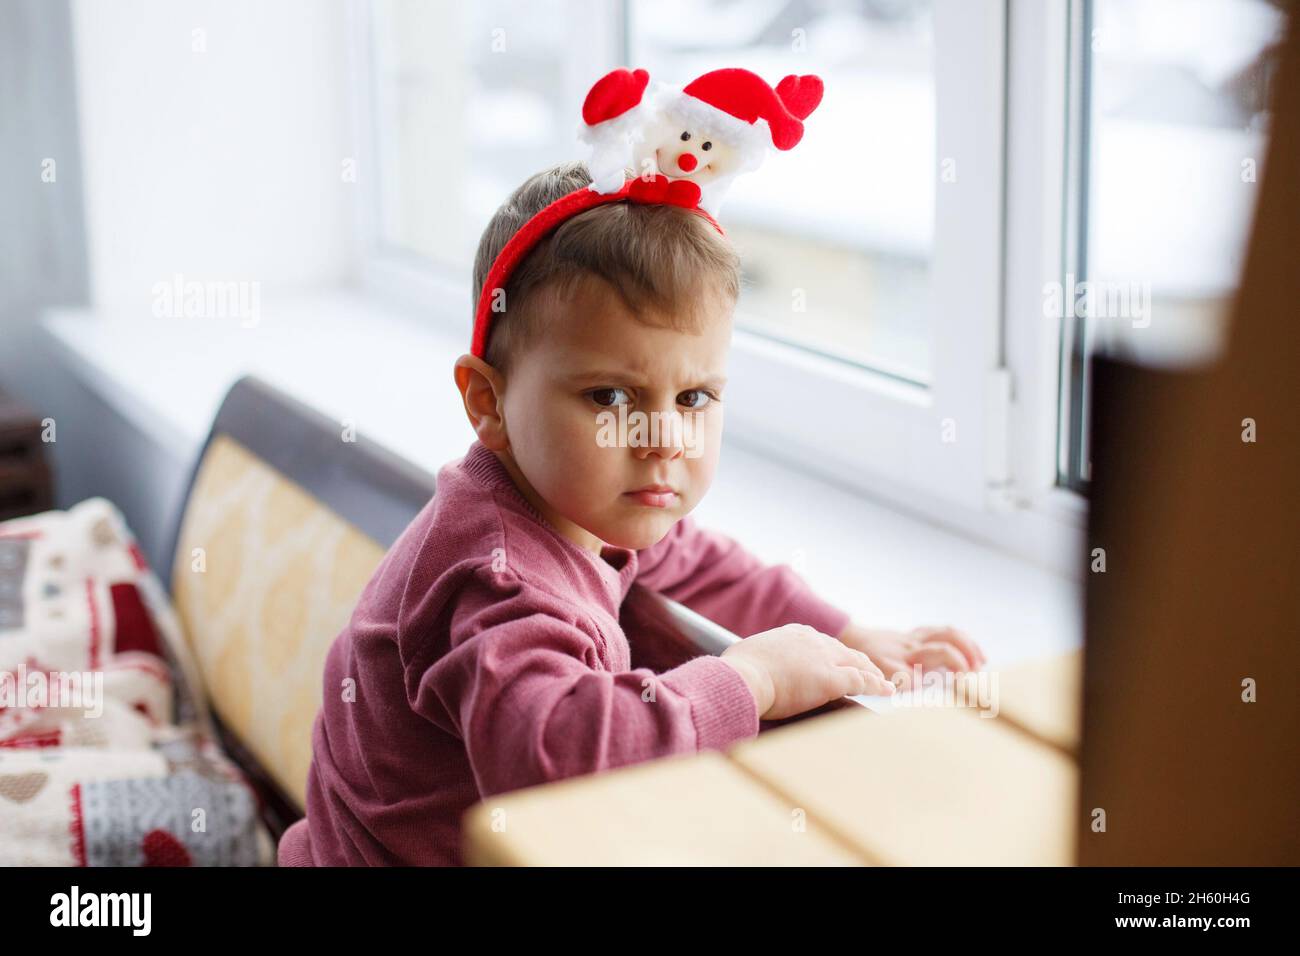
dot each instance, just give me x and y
(482, 389)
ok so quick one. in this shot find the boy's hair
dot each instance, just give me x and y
(662, 261)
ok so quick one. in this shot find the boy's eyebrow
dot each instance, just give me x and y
(626, 375)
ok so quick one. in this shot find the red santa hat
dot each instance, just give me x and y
(613, 95)
(737, 101)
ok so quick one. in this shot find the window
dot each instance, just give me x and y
(1171, 100)
(836, 235)
(890, 335)
(469, 99)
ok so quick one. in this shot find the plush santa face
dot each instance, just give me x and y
(678, 149)
(719, 125)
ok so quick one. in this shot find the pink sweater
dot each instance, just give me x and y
(487, 655)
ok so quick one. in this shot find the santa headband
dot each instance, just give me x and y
(672, 146)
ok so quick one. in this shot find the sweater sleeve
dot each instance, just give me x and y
(522, 686)
(713, 575)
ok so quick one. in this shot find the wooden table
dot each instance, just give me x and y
(26, 482)
(918, 786)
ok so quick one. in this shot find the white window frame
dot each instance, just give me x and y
(1044, 156)
(864, 428)
(1000, 87)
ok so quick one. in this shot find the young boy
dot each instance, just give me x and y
(486, 654)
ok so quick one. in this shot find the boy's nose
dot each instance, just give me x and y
(668, 452)
(686, 162)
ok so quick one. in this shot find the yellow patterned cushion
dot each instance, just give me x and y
(265, 577)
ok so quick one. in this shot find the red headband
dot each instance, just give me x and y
(657, 190)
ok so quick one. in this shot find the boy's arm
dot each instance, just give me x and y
(521, 687)
(713, 575)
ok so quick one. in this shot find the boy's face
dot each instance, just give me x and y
(614, 425)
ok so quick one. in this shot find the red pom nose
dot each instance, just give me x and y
(686, 162)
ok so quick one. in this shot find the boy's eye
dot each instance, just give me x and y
(695, 398)
(608, 397)
(685, 136)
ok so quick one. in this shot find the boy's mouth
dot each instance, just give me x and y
(653, 496)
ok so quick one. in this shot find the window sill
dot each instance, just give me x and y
(368, 363)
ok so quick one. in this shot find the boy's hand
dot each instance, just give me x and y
(794, 668)
(897, 652)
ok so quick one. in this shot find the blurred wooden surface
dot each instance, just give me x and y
(1044, 699)
(696, 810)
(1190, 704)
(923, 786)
(26, 480)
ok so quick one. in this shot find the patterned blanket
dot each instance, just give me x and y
(107, 751)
